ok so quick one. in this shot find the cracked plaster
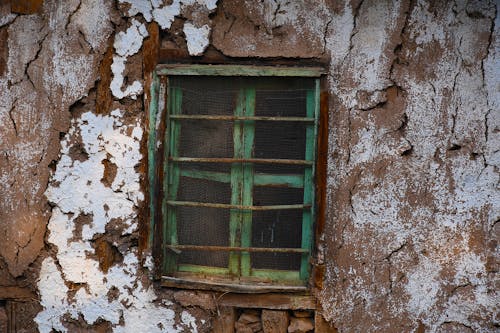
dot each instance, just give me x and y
(76, 191)
(412, 169)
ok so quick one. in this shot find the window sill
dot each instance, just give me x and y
(247, 287)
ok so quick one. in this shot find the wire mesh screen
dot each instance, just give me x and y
(206, 95)
(206, 138)
(209, 122)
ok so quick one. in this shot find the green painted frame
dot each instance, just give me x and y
(242, 178)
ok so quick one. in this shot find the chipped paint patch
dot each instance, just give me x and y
(127, 44)
(76, 191)
(196, 38)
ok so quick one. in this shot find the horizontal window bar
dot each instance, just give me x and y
(221, 117)
(239, 160)
(236, 70)
(229, 206)
(236, 248)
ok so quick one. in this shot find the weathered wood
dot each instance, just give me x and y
(203, 269)
(171, 181)
(275, 180)
(247, 199)
(276, 275)
(269, 301)
(292, 181)
(321, 176)
(236, 70)
(235, 218)
(225, 286)
(152, 156)
(307, 215)
(103, 105)
(209, 175)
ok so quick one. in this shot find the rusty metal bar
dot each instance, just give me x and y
(229, 206)
(230, 118)
(236, 248)
(239, 160)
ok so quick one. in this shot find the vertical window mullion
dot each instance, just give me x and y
(307, 215)
(172, 176)
(247, 199)
(155, 111)
(236, 187)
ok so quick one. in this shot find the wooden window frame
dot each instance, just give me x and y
(162, 117)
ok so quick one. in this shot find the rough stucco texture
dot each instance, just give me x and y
(411, 234)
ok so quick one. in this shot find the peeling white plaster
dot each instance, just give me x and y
(117, 68)
(139, 6)
(53, 295)
(77, 190)
(189, 321)
(196, 38)
(129, 42)
(126, 44)
(161, 13)
(165, 15)
(80, 189)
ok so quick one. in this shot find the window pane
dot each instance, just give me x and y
(204, 258)
(206, 138)
(279, 169)
(282, 140)
(285, 102)
(206, 95)
(205, 166)
(263, 195)
(277, 229)
(202, 190)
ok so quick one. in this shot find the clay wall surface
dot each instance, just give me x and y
(410, 235)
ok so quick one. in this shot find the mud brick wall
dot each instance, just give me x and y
(410, 238)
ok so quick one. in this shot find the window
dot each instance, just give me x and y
(232, 153)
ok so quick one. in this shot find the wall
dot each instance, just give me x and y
(410, 241)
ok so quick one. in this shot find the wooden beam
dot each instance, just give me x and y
(236, 70)
(254, 288)
(269, 301)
